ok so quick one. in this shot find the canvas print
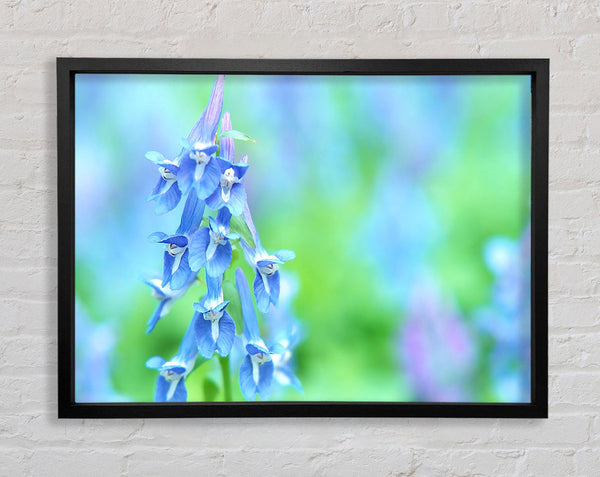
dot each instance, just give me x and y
(302, 238)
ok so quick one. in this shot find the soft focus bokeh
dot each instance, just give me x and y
(406, 200)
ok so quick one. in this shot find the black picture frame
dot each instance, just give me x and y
(539, 71)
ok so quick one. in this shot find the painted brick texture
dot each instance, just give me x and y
(32, 440)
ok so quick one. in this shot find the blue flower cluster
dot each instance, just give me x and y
(207, 175)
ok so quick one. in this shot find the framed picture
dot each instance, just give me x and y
(302, 237)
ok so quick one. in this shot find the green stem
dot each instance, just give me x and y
(224, 362)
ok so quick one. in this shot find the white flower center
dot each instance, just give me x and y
(258, 359)
(200, 157)
(171, 375)
(213, 315)
(167, 174)
(269, 270)
(261, 358)
(216, 239)
(227, 180)
(174, 249)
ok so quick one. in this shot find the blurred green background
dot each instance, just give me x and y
(387, 188)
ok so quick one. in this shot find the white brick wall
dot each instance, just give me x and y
(34, 442)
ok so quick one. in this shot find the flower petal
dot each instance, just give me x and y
(250, 322)
(173, 367)
(240, 169)
(247, 384)
(285, 255)
(199, 307)
(226, 145)
(156, 157)
(168, 200)
(223, 218)
(268, 261)
(226, 335)
(191, 215)
(155, 316)
(197, 248)
(205, 129)
(288, 377)
(204, 339)
(180, 394)
(179, 240)
(276, 348)
(182, 274)
(157, 189)
(221, 306)
(155, 362)
(162, 388)
(274, 287)
(157, 237)
(260, 293)
(209, 180)
(253, 348)
(265, 378)
(185, 176)
(220, 261)
(168, 261)
(237, 199)
(214, 200)
(160, 160)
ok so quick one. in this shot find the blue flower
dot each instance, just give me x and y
(215, 329)
(166, 193)
(266, 281)
(226, 145)
(165, 296)
(211, 245)
(170, 384)
(256, 371)
(287, 331)
(230, 192)
(176, 261)
(198, 166)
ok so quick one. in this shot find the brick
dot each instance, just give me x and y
(593, 131)
(574, 165)
(574, 204)
(14, 462)
(65, 462)
(162, 461)
(564, 92)
(587, 461)
(43, 15)
(378, 18)
(574, 313)
(574, 279)
(468, 462)
(566, 128)
(576, 388)
(585, 49)
(431, 16)
(576, 351)
(574, 430)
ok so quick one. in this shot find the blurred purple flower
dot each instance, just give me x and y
(436, 349)
(506, 319)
